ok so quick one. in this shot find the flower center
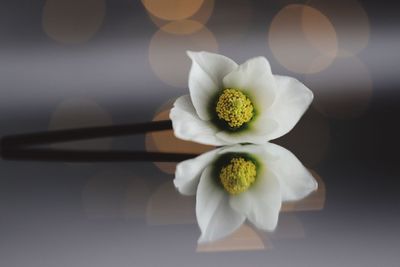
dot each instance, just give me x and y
(238, 175)
(234, 107)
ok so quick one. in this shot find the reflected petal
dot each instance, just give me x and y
(261, 203)
(215, 217)
(188, 172)
(295, 180)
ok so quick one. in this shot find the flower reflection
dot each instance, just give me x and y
(314, 202)
(240, 182)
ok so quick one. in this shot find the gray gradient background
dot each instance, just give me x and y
(62, 214)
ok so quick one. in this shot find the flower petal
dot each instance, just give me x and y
(295, 180)
(188, 126)
(254, 135)
(261, 203)
(256, 150)
(215, 216)
(205, 79)
(255, 78)
(188, 172)
(291, 101)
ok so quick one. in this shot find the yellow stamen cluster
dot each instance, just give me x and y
(238, 175)
(234, 107)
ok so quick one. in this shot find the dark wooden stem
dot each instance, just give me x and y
(22, 146)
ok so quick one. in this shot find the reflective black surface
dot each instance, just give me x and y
(116, 66)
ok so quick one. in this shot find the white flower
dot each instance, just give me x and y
(233, 183)
(230, 103)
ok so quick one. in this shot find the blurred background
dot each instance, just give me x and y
(81, 63)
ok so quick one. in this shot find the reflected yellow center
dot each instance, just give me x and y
(234, 107)
(238, 175)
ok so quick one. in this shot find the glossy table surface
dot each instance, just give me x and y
(76, 64)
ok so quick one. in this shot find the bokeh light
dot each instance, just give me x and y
(80, 113)
(109, 195)
(189, 24)
(302, 39)
(136, 197)
(343, 90)
(351, 23)
(172, 9)
(162, 206)
(232, 20)
(167, 54)
(289, 227)
(73, 21)
(310, 139)
(182, 27)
